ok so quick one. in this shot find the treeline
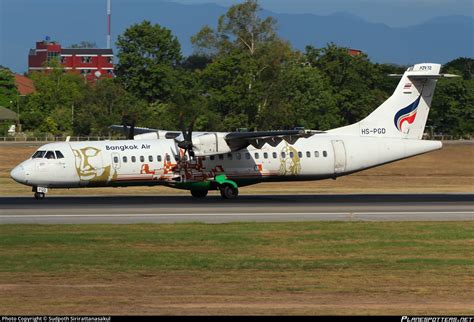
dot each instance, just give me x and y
(241, 75)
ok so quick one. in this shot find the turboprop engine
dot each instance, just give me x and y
(210, 144)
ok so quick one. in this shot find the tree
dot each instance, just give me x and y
(355, 80)
(240, 28)
(104, 105)
(8, 90)
(302, 97)
(247, 56)
(57, 93)
(461, 66)
(452, 110)
(148, 55)
(85, 44)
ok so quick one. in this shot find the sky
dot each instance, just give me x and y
(23, 22)
(395, 13)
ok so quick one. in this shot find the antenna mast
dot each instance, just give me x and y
(108, 23)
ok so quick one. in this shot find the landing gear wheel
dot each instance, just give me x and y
(229, 192)
(199, 193)
(39, 195)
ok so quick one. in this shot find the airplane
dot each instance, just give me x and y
(225, 161)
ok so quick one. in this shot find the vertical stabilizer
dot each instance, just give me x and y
(404, 114)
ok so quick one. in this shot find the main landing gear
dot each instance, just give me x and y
(40, 192)
(227, 188)
(228, 191)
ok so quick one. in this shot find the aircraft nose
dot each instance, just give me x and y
(18, 174)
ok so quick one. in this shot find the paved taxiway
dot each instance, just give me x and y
(172, 209)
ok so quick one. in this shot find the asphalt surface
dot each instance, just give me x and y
(213, 209)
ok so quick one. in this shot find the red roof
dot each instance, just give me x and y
(24, 85)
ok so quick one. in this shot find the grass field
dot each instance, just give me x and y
(241, 268)
(399, 268)
(448, 170)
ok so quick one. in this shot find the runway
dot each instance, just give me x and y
(213, 209)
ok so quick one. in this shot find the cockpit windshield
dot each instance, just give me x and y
(38, 154)
(48, 155)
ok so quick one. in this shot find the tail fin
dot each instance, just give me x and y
(404, 114)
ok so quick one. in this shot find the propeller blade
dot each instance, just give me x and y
(187, 143)
(131, 133)
(190, 130)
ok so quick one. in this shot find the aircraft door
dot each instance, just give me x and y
(339, 156)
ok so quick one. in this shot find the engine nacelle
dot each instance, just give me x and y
(210, 144)
(146, 136)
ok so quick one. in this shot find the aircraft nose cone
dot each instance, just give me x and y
(18, 174)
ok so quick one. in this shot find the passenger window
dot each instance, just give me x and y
(168, 158)
(308, 154)
(265, 155)
(59, 155)
(283, 155)
(316, 154)
(292, 155)
(300, 154)
(275, 155)
(158, 157)
(212, 157)
(115, 159)
(150, 158)
(50, 155)
(221, 157)
(124, 159)
(238, 156)
(38, 154)
(134, 159)
(142, 158)
(257, 156)
(325, 154)
(229, 156)
(247, 156)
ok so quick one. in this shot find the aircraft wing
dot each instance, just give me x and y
(229, 141)
(143, 130)
(240, 140)
(136, 130)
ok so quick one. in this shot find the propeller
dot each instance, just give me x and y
(128, 121)
(187, 143)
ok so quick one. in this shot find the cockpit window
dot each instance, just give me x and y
(38, 154)
(59, 155)
(50, 155)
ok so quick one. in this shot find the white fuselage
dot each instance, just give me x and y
(393, 131)
(155, 162)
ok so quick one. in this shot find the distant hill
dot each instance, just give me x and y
(25, 21)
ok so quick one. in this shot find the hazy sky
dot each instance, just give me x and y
(391, 12)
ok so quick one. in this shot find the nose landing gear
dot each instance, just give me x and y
(40, 192)
(39, 195)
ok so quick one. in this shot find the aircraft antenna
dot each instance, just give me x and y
(109, 17)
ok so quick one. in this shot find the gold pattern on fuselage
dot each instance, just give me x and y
(90, 168)
(289, 165)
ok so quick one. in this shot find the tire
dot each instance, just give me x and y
(199, 193)
(39, 195)
(229, 192)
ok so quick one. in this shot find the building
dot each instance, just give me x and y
(24, 85)
(92, 63)
(354, 52)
